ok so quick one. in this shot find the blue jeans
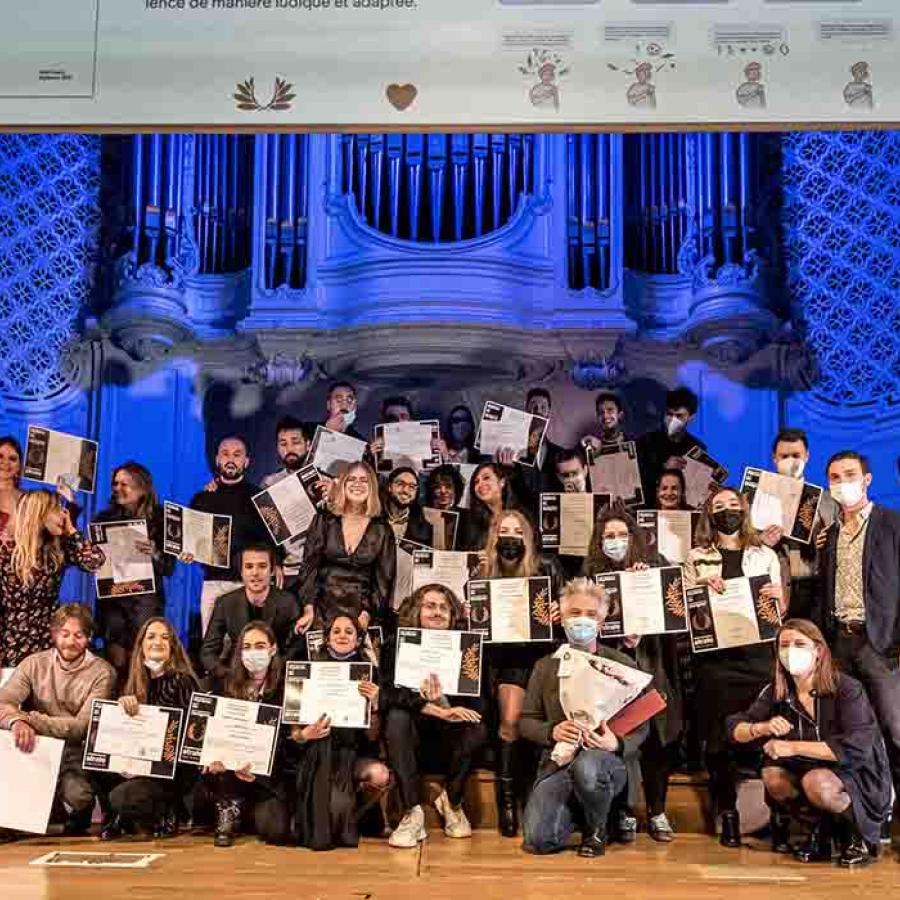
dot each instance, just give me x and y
(592, 780)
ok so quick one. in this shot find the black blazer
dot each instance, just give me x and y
(232, 612)
(881, 580)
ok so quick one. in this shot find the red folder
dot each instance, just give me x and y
(636, 713)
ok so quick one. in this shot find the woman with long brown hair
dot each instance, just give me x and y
(45, 542)
(133, 497)
(727, 546)
(160, 674)
(350, 557)
(10, 473)
(823, 750)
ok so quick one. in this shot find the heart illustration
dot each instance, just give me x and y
(401, 96)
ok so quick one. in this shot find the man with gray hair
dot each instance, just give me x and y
(598, 772)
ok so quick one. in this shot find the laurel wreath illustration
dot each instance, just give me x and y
(220, 541)
(675, 599)
(807, 513)
(767, 610)
(470, 663)
(282, 96)
(271, 517)
(541, 611)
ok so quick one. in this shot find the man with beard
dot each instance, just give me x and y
(50, 694)
(341, 406)
(610, 418)
(402, 509)
(229, 494)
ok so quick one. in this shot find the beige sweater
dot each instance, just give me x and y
(56, 702)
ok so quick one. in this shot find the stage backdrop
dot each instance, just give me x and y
(161, 290)
(261, 63)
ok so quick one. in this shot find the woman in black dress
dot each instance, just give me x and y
(350, 557)
(336, 764)
(160, 674)
(133, 497)
(824, 752)
(618, 545)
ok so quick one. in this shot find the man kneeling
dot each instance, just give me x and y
(597, 773)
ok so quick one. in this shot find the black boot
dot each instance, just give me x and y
(731, 829)
(818, 845)
(507, 807)
(166, 827)
(112, 828)
(78, 824)
(855, 851)
(593, 843)
(228, 815)
(780, 826)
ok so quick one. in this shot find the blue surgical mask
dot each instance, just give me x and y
(615, 548)
(581, 631)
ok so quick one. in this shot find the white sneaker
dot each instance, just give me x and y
(411, 829)
(456, 825)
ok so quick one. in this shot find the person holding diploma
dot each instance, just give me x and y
(727, 681)
(510, 552)
(619, 545)
(160, 674)
(401, 507)
(10, 473)
(133, 497)
(336, 764)
(256, 674)
(671, 490)
(50, 694)
(610, 422)
(350, 558)
(46, 543)
(823, 749)
(492, 493)
(427, 729)
(444, 488)
(592, 781)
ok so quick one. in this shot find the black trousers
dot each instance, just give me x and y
(656, 764)
(143, 801)
(263, 799)
(419, 743)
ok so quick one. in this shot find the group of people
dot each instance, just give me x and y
(818, 714)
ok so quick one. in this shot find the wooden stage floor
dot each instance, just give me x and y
(487, 866)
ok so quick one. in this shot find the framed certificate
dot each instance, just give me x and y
(445, 523)
(451, 568)
(236, 733)
(567, 521)
(788, 503)
(614, 470)
(408, 444)
(700, 472)
(206, 536)
(734, 619)
(510, 610)
(51, 455)
(288, 506)
(670, 532)
(125, 570)
(453, 656)
(145, 744)
(503, 427)
(316, 689)
(648, 601)
(332, 451)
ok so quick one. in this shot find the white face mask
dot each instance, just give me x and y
(791, 466)
(847, 493)
(674, 425)
(615, 548)
(798, 661)
(154, 666)
(256, 661)
(349, 418)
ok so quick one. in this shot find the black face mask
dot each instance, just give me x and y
(728, 521)
(512, 549)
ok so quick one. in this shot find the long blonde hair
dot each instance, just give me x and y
(337, 498)
(36, 551)
(528, 565)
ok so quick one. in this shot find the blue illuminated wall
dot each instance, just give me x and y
(157, 291)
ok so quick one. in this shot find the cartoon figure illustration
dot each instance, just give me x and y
(752, 93)
(858, 93)
(548, 66)
(642, 92)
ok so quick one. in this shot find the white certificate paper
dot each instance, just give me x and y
(453, 656)
(647, 601)
(125, 570)
(316, 689)
(567, 521)
(503, 427)
(614, 470)
(52, 455)
(207, 537)
(451, 568)
(28, 783)
(701, 471)
(288, 506)
(736, 618)
(790, 504)
(445, 527)
(511, 610)
(235, 733)
(408, 444)
(332, 451)
(670, 532)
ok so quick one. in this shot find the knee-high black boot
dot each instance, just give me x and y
(507, 806)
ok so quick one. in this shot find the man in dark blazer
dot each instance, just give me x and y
(858, 605)
(256, 599)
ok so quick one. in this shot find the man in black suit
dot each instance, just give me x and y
(256, 599)
(858, 606)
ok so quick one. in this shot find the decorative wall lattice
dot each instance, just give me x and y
(841, 233)
(49, 221)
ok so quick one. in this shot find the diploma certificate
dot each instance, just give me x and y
(51, 455)
(647, 601)
(510, 610)
(316, 689)
(125, 570)
(737, 618)
(205, 536)
(453, 656)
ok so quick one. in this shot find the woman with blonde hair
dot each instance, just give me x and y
(160, 674)
(350, 557)
(45, 543)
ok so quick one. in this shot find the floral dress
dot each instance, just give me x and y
(25, 612)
